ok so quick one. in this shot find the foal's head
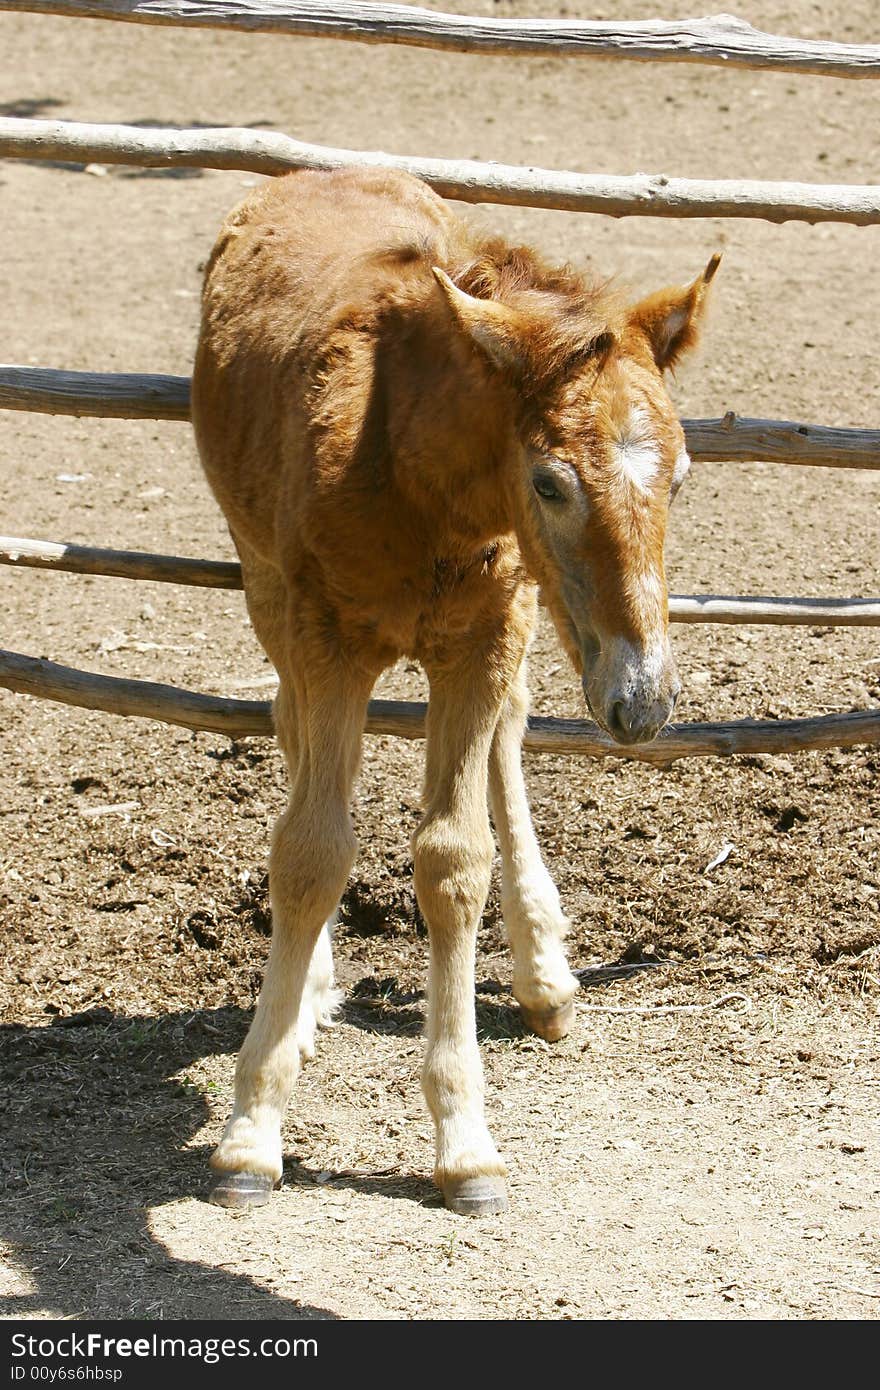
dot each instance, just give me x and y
(597, 457)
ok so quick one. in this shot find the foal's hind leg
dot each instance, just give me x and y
(313, 848)
(533, 918)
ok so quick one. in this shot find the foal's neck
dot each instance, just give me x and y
(452, 435)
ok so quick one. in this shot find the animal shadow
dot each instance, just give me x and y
(94, 1135)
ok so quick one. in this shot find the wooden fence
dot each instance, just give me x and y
(721, 40)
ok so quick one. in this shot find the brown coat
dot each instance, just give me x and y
(409, 427)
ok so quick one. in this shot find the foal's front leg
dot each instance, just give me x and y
(452, 854)
(533, 918)
(313, 848)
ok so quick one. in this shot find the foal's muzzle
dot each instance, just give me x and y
(632, 690)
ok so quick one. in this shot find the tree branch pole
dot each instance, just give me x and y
(722, 40)
(270, 152)
(24, 553)
(240, 718)
(132, 396)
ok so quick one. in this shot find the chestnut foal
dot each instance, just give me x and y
(410, 427)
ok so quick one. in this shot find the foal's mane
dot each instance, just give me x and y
(570, 320)
(498, 270)
(565, 320)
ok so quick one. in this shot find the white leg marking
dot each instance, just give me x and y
(313, 848)
(452, 858)
(533, 917)
(321, 1000)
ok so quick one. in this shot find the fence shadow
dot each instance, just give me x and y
(94, 1137)
(29, 108)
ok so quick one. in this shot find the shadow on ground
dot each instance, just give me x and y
(75, 1211)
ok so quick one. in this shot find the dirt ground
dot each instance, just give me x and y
(705, 1144)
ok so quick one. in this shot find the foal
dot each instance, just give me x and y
(409, 428)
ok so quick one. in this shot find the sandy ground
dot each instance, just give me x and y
(705, 1143)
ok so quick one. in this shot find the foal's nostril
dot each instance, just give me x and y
(618, 724)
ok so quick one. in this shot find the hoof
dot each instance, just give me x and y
(241, 1190)
(550, 1024)
(475, 1196)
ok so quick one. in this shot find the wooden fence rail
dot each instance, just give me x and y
(240, 718)
(133, 396)
(110, 395)
(25, 553)
(269, 152)
(722, 40)
(719, 39)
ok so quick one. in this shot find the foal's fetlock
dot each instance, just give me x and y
(546, 983)
(543, 984)
(244, 1147)
(319, 1010)
(321, 1000)
(545, 993)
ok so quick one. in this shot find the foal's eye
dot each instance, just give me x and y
(546, 488)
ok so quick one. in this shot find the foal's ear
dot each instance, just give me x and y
(495, 328)
(670, 319)
(523, 345)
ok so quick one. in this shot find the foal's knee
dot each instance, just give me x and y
(451, 871)
(310, 860)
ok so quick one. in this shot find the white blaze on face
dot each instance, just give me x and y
(632, 672)
(636, 451)
(648, 596)
(648, 592)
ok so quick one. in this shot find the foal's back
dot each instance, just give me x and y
(298, 271)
